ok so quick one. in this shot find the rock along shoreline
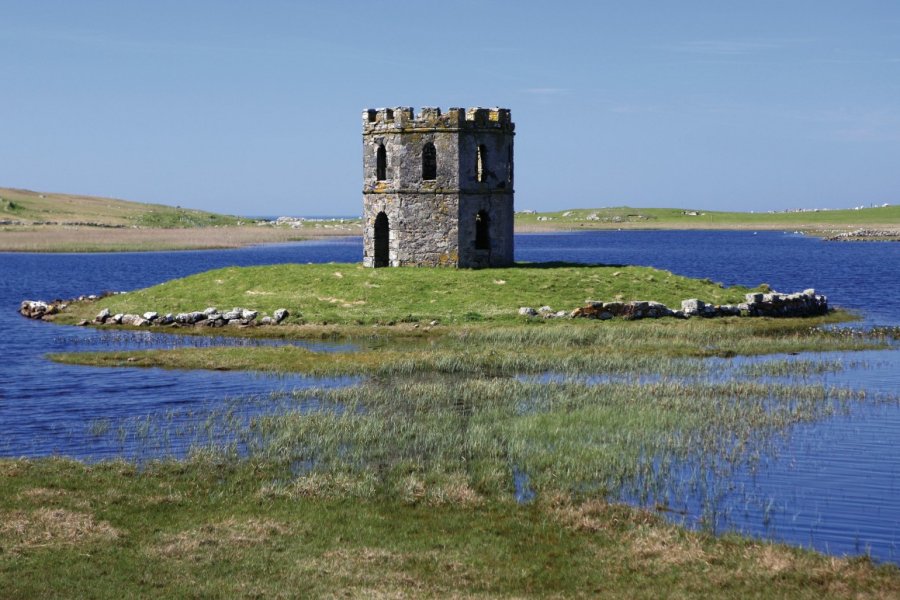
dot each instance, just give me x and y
(208, 317)
(773, 304)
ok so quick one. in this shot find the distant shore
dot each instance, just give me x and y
(851, 232)
(61, 238)
(51, 222)
(86, 238)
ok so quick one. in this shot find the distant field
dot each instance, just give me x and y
(625, 217)
(46, 222)
(69, 209)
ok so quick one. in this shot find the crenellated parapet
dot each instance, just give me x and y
(402, 118)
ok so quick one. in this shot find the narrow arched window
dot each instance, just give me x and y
(480, 163)
(509, 165)
(381, 163)
(429, 162)
(482, 231)
(381, 241)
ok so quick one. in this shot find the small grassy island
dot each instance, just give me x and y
(477, 452)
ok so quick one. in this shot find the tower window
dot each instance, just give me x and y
(481, 163)
(381, 163)
(429, 162)
(482, 231)
(509, 165)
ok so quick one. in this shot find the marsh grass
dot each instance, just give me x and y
(421, 438)
(404, 486)
(563, 347)
(572, 438)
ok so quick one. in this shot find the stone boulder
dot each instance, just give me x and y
(37, 309)
(190, 318)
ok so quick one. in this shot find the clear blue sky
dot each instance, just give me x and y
(254, 108)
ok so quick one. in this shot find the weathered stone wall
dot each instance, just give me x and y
(433, 221)
(420, 232)
(800, 304)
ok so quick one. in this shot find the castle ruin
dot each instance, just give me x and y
(438, 187)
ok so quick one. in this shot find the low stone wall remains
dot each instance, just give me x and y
(209, 317)
(801, 304)
(867, 235)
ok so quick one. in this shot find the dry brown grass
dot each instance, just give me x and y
(56, 238)
(664, 546)
(455, 491)
(596, 515)
(47, 206)
(13, 467)
(56, 497)
(654, 546)
(209, 540)
(367, 572)
(21, 531)
(321, 485)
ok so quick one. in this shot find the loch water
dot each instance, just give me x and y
(833, 485)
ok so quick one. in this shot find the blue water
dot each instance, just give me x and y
(831, 485)
(854, 275)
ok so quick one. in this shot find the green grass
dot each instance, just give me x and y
(29, 206)
(677, 218)
(406, 492)
(402, 484)
(585, 347)
(348, 294)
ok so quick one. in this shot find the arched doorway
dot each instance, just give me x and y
(482, 231)
(382, 239)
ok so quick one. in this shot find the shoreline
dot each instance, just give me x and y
(53, 239)
(56, 239)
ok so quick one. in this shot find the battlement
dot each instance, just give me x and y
(401, 118)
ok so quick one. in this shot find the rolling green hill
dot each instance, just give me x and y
(29, 207)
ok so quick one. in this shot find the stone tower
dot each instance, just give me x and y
(438, 187)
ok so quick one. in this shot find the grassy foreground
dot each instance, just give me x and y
(206, 528)
(405, 483)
